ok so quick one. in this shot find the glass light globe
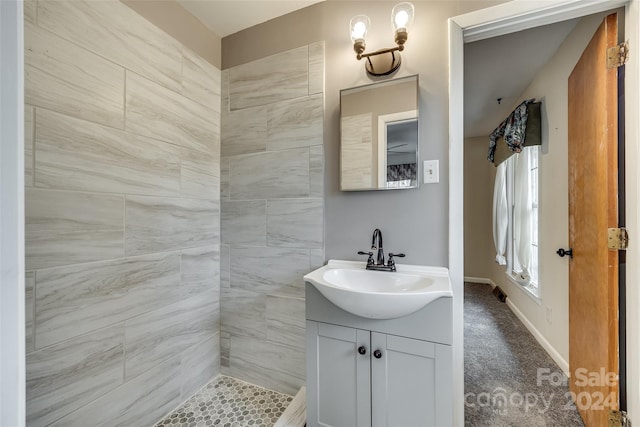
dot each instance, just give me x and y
(402, 16)
(358, 27)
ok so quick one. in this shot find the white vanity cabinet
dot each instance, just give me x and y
(378, 373)
(342, 383)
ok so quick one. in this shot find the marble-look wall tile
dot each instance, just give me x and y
(199, 174)
(200, 80)
(74, 154)
(63, 77)
(200, 364)
(273, 271)
(225, 267)
(93, 174)
(270, 175)
(266, 317)
(132, 404)
(64, 377)
(244, 131)
(316, 67)
(225, 346)
(155, 224)
(110, 29)
(296, 123)
(29, 287)
(295, 223)
(76, 299)
(200, 270)
(275, 366)
(29, 11)
(29, 119)
(271, 79)
(224, 96)
(356, 159)
(316, 171)
(316, 258)
(243, 313)
(224, 178)
(286, 321)
(157, 112)
(63, 228)
(156, 336)
(244, 222)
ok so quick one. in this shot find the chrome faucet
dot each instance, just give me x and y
(379, 265)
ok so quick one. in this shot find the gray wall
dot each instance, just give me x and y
(272, 212)
(413, 221)
(122, 216)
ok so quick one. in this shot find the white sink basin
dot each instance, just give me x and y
(380, 294)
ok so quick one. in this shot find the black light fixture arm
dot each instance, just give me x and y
(381, 52)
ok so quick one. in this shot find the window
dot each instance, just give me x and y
(522, 231)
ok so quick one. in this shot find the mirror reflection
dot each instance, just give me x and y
(379, 136)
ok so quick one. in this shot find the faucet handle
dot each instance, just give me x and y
(370, 254)
(391, 255)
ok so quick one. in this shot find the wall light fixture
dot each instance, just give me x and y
(384, 61)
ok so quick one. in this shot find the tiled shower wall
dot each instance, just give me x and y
(122, 216)
(272, 229)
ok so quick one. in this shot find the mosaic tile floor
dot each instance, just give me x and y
(228, 402)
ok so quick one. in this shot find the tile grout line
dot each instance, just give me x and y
(33, 147)
(33, 307)
(161, 76)
(124, 130)
(124, 101)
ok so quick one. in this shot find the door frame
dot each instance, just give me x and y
(12, 268)
(507, 18)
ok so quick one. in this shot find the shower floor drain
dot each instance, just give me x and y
(228, 402)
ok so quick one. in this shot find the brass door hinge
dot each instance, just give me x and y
(619, 419)
(617, 56)
(618, 239)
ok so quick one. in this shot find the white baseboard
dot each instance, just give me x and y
(482, 280)
(563, 364)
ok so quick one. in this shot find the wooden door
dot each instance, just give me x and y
(593, 192)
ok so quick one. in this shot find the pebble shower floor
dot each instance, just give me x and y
(227, 402)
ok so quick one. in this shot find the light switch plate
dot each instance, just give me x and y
(431, 171)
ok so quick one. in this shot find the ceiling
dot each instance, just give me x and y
(503, 67)
(225, 17)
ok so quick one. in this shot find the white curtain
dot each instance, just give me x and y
(522, 213)
(500, 213)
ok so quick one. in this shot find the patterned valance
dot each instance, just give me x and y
(521, 129)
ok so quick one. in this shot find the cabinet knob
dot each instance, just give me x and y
(362, 350)
(377, 354)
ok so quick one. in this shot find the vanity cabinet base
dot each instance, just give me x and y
(362, 378)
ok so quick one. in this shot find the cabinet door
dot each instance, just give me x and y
(338, 376)
(410, 382)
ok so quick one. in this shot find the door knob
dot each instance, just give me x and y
(362, 350)
(562, 252)
(377, 354)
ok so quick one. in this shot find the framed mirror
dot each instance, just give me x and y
(379, 136)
